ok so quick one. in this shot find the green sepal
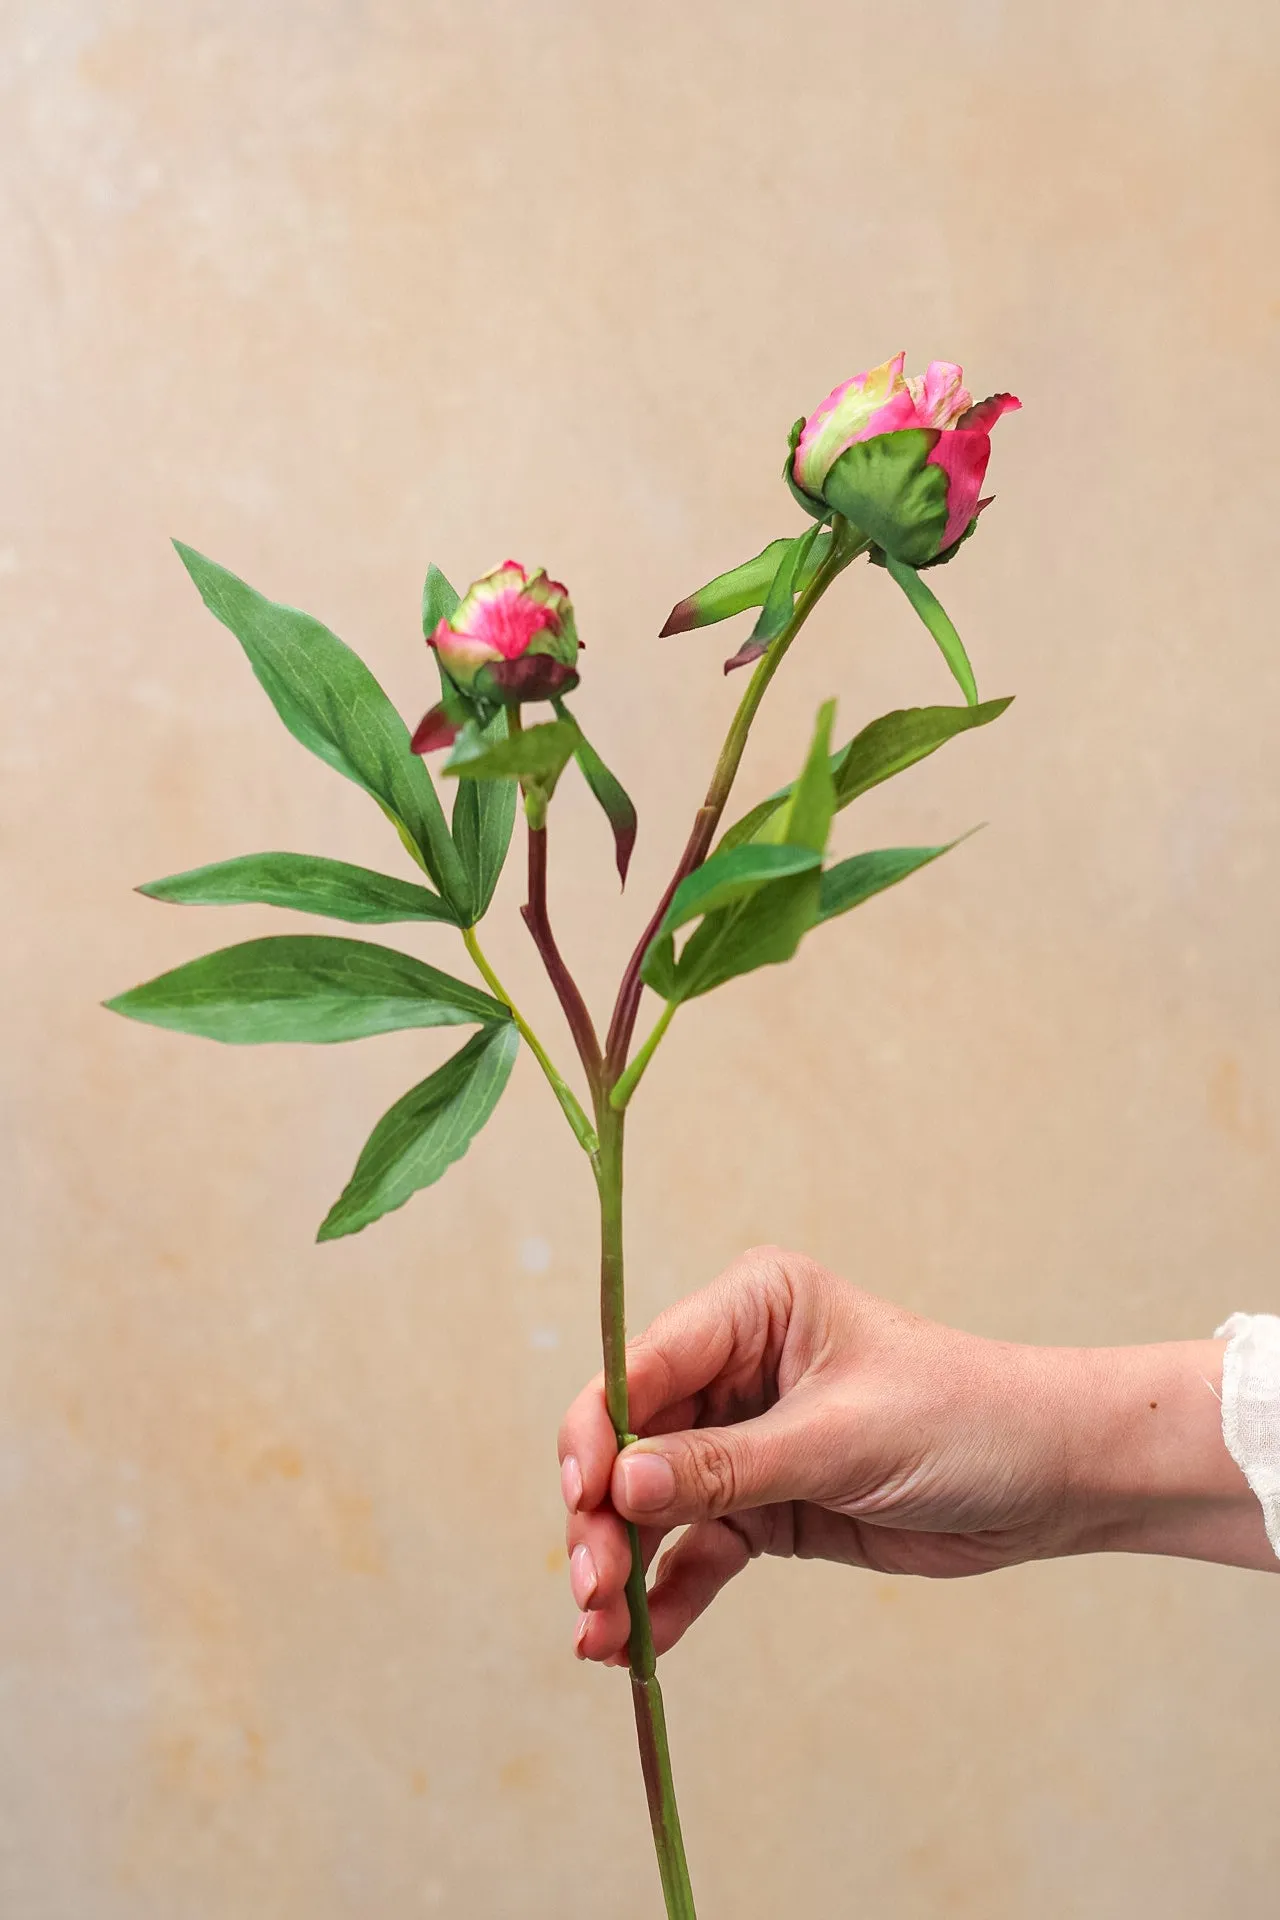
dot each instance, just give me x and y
(938, 621)
(484, 815)
(420, 1137)
(439, 600)
(305, 883)
(305, 987)
(331, 703)
(742, 587)
(818, 508)
(884, 748)
(887, 487)
(850, 882)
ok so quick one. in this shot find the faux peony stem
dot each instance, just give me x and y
(708, 816)
(646, 1694)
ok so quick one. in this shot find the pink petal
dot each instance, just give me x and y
(963, 458)
(988, 411)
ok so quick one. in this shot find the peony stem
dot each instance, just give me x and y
(847, 543)
(646, 1694)
(584, 1132)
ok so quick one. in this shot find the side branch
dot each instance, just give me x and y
(535, 916)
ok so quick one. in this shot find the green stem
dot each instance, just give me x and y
(646, 1695)
(629, 1080)
(584, 1132)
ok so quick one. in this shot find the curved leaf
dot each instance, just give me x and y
(936, 618)
(484, 814)
(419, 1138)
(306, 883)
(330, 701)
(887, 746)
(305, 987)
(535, 753)
(742, 587)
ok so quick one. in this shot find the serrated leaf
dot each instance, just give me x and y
(850, 882)
(535, 753)
(419, 1139)
(938, 621)
(306, 883)
(484, 813)
(886, 747)
(329, 700)
(305, 987)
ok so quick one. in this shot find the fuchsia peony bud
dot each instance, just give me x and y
(510, 638)
(900, 457)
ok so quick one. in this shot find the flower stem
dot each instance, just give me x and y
(584, 1132)
(846, 545)
(646, 1694)
(629, 1079)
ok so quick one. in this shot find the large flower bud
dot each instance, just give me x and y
(901, 457)
(511, 638)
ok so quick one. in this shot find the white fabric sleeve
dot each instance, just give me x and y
(1251, 1406)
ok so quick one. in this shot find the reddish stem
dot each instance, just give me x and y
(535, 917)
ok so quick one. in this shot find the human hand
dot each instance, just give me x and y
(784, 1411)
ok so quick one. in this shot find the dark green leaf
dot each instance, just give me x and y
(484, 813)
(613, 797)
(742, 587)
(729, 877)
(305, 882)
(305, 987)
(330, 701)
(888, 746)
(850, 882)
(767, 922)
(535, 753)
(935, 617)
(887, 487)
(424, 1133)
(897, 740)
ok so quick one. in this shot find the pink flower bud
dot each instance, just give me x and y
(510, 638)
(868, 449)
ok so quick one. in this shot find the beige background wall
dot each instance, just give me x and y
(333, 289)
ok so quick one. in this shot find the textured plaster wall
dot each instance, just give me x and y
(331, 289)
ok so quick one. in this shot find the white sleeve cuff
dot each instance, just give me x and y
(1251, 1406)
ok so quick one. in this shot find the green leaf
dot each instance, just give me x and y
(484, 813)
(780, 602)
(888, 489)
(850, 882)
(743, 587)
(438, 600)
(613, 797)
(898, 740)
(729, 877)
(330, 701)
(424, 1133)
(935, 617)
(767, 922)
(887, 746)
(305, 986)
(535, 753)
(306, 883)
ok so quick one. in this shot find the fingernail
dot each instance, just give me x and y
(580, 1636)
(571, 1482)
(647, 1482)
(583, 1578)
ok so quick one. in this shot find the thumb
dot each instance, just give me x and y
(675, 1478)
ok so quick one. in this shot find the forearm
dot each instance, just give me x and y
(1148, 1468)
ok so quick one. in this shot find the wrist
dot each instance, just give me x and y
(1148, 1470)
